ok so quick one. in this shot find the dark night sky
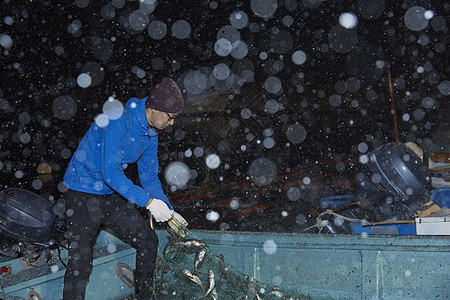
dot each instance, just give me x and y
(35, 71)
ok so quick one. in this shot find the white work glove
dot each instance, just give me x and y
(159, 210)
(178, 224)
(177, 217)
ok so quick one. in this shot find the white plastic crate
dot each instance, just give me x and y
(433, 226)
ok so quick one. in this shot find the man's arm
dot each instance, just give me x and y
(148, 173)
(112, 144)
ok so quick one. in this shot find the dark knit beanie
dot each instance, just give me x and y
(166, 97)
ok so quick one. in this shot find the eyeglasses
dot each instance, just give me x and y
(170, 118)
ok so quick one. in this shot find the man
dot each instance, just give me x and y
(98, 189)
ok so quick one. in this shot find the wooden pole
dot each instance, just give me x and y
(393, 108)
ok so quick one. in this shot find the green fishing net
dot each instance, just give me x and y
(182, 262)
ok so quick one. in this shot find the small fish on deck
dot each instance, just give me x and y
(232, 279)
(211, 284)
(199, 256)
(193, 277)
(214, 295)
(169, 248)
(191, 243)
(280, 294)
(251, 287)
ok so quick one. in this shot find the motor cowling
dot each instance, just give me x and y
(26, 216)
(396, 170)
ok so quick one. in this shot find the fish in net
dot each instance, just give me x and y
(188, 269)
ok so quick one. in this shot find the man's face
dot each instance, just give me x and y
(159, 119)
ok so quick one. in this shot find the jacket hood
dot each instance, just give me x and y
(135, 108)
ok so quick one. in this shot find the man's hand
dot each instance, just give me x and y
(159, 210)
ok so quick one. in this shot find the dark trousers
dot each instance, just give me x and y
(86, 215)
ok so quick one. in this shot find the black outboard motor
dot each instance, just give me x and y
(27, 223)
(394, 178)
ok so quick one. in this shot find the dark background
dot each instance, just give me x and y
(34, 73)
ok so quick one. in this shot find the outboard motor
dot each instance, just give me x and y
(394, 179)
(27, 223)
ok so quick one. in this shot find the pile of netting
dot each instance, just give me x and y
(187, 269)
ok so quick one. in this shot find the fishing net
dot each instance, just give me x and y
(187, 269)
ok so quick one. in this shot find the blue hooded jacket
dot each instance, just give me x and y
(98, 163)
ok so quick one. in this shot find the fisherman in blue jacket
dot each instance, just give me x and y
(100, 196)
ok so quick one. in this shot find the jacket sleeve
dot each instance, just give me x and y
(112, 138)
(148, 172)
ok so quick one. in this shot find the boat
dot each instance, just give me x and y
(391, 259)
(321, 266)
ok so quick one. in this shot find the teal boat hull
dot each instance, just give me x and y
(321, 266)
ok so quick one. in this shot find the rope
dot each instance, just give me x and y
(331, 212)
(321, 223)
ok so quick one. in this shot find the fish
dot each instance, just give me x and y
(193, 277)
(211, 284)
(276, 293)
(279, 293)
(224, 270)
(214, 295)
(191, 243)
(198, 259)
(251, 287)
(169, 249)
(221, 259)
(233, 280)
